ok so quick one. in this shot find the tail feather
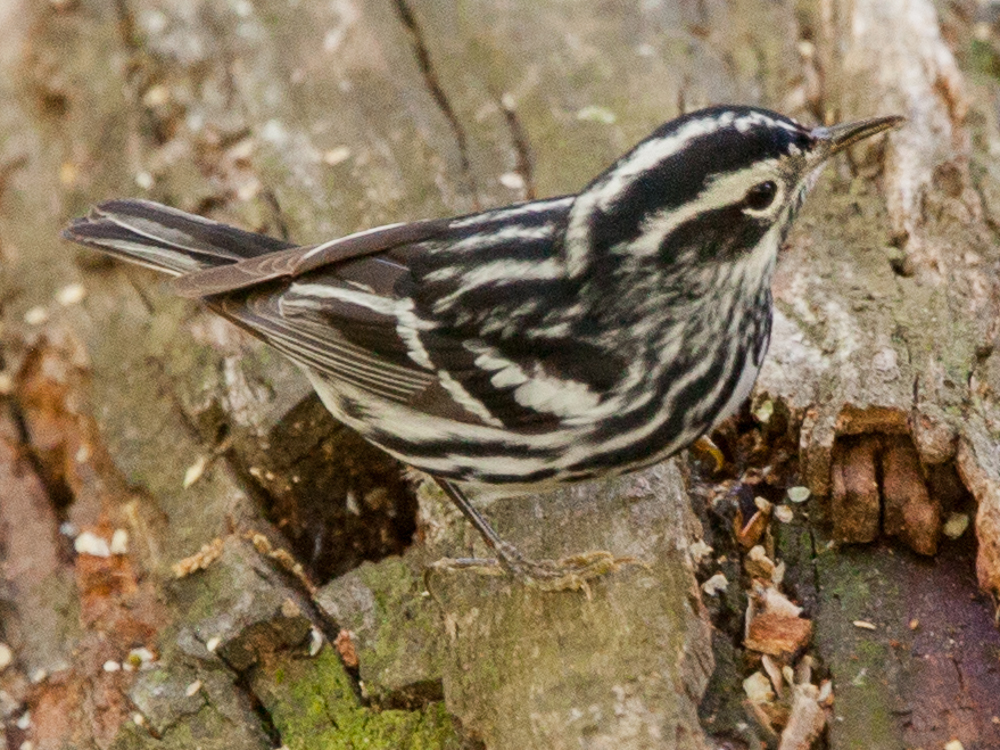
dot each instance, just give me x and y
(166, 239)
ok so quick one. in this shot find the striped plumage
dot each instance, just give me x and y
(549, 341)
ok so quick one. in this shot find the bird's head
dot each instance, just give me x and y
(715, 188)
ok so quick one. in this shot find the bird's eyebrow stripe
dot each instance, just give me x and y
(645, 169)
(647, 156)
(723, 190)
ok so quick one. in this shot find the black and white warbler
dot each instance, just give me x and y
(549, 341)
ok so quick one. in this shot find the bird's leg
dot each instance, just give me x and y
(569, 573)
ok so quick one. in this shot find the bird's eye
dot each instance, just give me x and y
(761, 195)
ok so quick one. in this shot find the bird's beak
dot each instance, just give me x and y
(836, 138)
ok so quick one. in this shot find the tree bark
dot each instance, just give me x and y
(233, 607)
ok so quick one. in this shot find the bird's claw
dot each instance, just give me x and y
(571, 573)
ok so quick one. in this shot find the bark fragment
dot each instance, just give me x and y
(855, 504)
(910, 512)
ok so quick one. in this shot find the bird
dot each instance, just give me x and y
(550, 341)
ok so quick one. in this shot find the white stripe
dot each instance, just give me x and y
(327, 358)
(645, 156)
(756, 271)
(747, 378)
(651, 153)
(158, 232)
(744, 123)
(564, 398)
(298, 295)
(466, 399)
(501, 272)
(356, 235)
(408, 325)
(173, 262)
(492, 238)
(539, 390)
(502, 214)
(724, 190)
(408, 329)
(497, 270)
(416, 427)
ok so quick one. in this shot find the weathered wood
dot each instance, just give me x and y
(605, 667)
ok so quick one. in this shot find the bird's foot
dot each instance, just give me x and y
(571, 573)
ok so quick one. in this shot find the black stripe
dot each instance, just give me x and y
(438, 447)
(680, 178)
(229, 239)
(555, 211)
(691, 414)
(718, 235)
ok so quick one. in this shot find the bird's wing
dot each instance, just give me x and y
(435, 316)
(295, 261)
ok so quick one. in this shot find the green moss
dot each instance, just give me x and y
(201, 596)
(860, 583)
(130, 737)
(407, 635)
(984, 59)
(316, 708)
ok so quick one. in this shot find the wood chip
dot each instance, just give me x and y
(71, 294)
(784, 513)
(715, 584)
(315, 641)
(854, 420)
(758, 564)
(512, 180)
(955, 525)
(778, 635)
(200, 560)
(798, 494)
(758, 688)
(855, 503)
(752, 532)
(764, 411)
(119, 542)
(909, 512)
(774, 672)
(337, 155)
(699, 550)
(89, 543)
(344, 644)
(195, 471)
(806, 721)
(769, 599)
(596, 113)
(36, 316)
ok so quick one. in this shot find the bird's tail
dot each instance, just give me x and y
(166, 239)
